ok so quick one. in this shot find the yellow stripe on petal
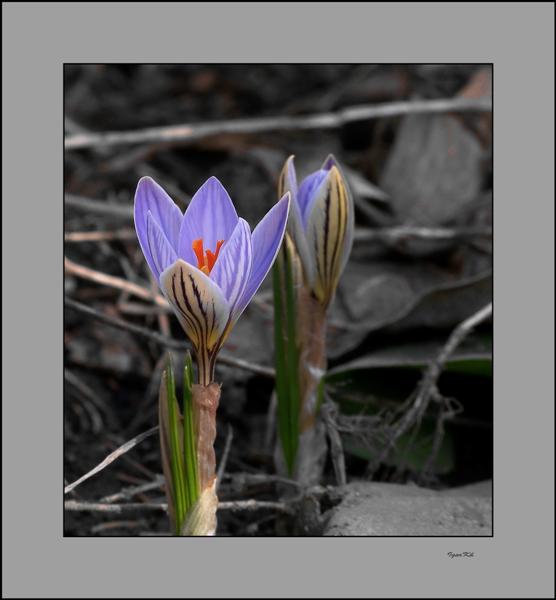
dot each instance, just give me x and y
(327, 227)
(199, 305)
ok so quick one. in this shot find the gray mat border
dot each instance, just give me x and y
(37, 39)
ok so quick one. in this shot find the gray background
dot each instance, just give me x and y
(37, 39)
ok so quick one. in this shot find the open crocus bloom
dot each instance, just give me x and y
(321, 224)
(208, 263)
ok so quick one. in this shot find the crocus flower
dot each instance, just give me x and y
(321, 224)
(207, 262)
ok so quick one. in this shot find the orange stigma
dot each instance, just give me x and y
(205, 258)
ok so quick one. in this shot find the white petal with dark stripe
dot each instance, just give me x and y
(198, 303)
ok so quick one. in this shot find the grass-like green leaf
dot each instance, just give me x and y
(176, 454)
(293, 355)
(286, 356)
(191, 475)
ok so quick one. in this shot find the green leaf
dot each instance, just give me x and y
(174, 436)
(390, 373)
(293, 355)
(417, 355)
(286, 356)
(471, 366)
(191, 475)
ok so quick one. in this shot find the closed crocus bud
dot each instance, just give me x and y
(320, 223)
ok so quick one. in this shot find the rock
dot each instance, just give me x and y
(384, 509)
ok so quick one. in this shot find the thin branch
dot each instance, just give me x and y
(75, 505)
(118, 283)
(427, 386)
(233, 506)
(329, 412)
(138, 308)
(99, 236)
(224, 459)
(129, 492)
(252, 505)
(191, 132)
(391, 235)
(112, 457)
(164, 341)
(99, 206)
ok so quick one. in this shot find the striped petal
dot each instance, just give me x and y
(199, 305)
(348, 243)
(327, 229)
(267, 239)
(161, 251)
(210, 216)
(150, 197)
(233, 266)
(288, 183)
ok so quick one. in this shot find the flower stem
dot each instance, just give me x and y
(202, 517)
(205, 367)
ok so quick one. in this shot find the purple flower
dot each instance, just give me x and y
(320, 224)
(208, 263)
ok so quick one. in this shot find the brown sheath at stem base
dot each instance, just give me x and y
(201, 519)
(205, 403)
(311, 328)
(311, 339)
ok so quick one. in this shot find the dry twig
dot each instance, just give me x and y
(427, 386)
(98, 206)
(329, 412)
(232, 505)
(114, 282)
(99, 236)
(112, 457)
(162, 340)
(129, 492)
(390, 235)
(192, 132)
(224, 459)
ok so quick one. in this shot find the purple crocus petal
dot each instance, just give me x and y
(150, 197)
(266, 239)
(329, 163)
(160, 250)
(233, 267)
(308, 192)
(199, 304)
(210, 216)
